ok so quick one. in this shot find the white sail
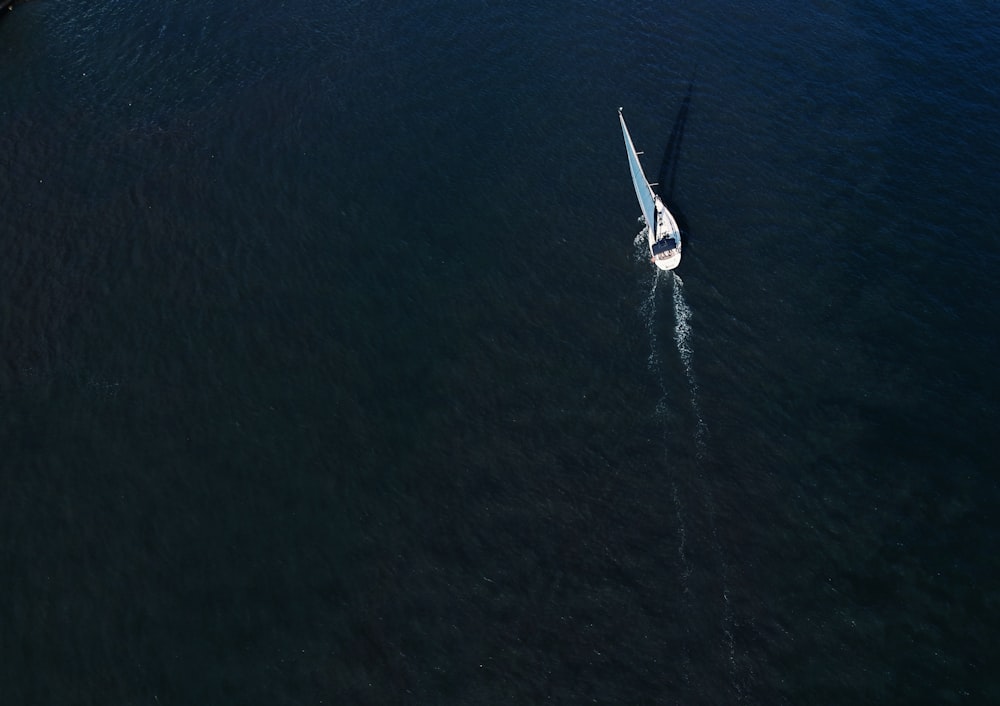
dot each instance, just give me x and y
(643, 191)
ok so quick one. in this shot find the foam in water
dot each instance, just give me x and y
(682, 340)
(682, 337)
(648, 311)
(640, 243)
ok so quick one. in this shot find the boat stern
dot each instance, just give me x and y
(666, 252)
(669, 260)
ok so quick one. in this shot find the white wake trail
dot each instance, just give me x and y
(641, 246)
(648, 311)
(682, 337)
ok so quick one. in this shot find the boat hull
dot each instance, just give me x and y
(666, 227)
(665, 261)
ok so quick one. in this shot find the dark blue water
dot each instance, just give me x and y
(330, 372)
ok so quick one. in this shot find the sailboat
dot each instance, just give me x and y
(664, 236)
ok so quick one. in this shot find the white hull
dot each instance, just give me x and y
(666, 227)
(667, 261)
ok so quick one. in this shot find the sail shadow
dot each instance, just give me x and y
(667, 176)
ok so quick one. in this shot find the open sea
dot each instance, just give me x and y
(331, 371)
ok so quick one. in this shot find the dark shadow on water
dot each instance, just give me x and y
(666, 178)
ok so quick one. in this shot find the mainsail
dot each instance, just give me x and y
(639, 181)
